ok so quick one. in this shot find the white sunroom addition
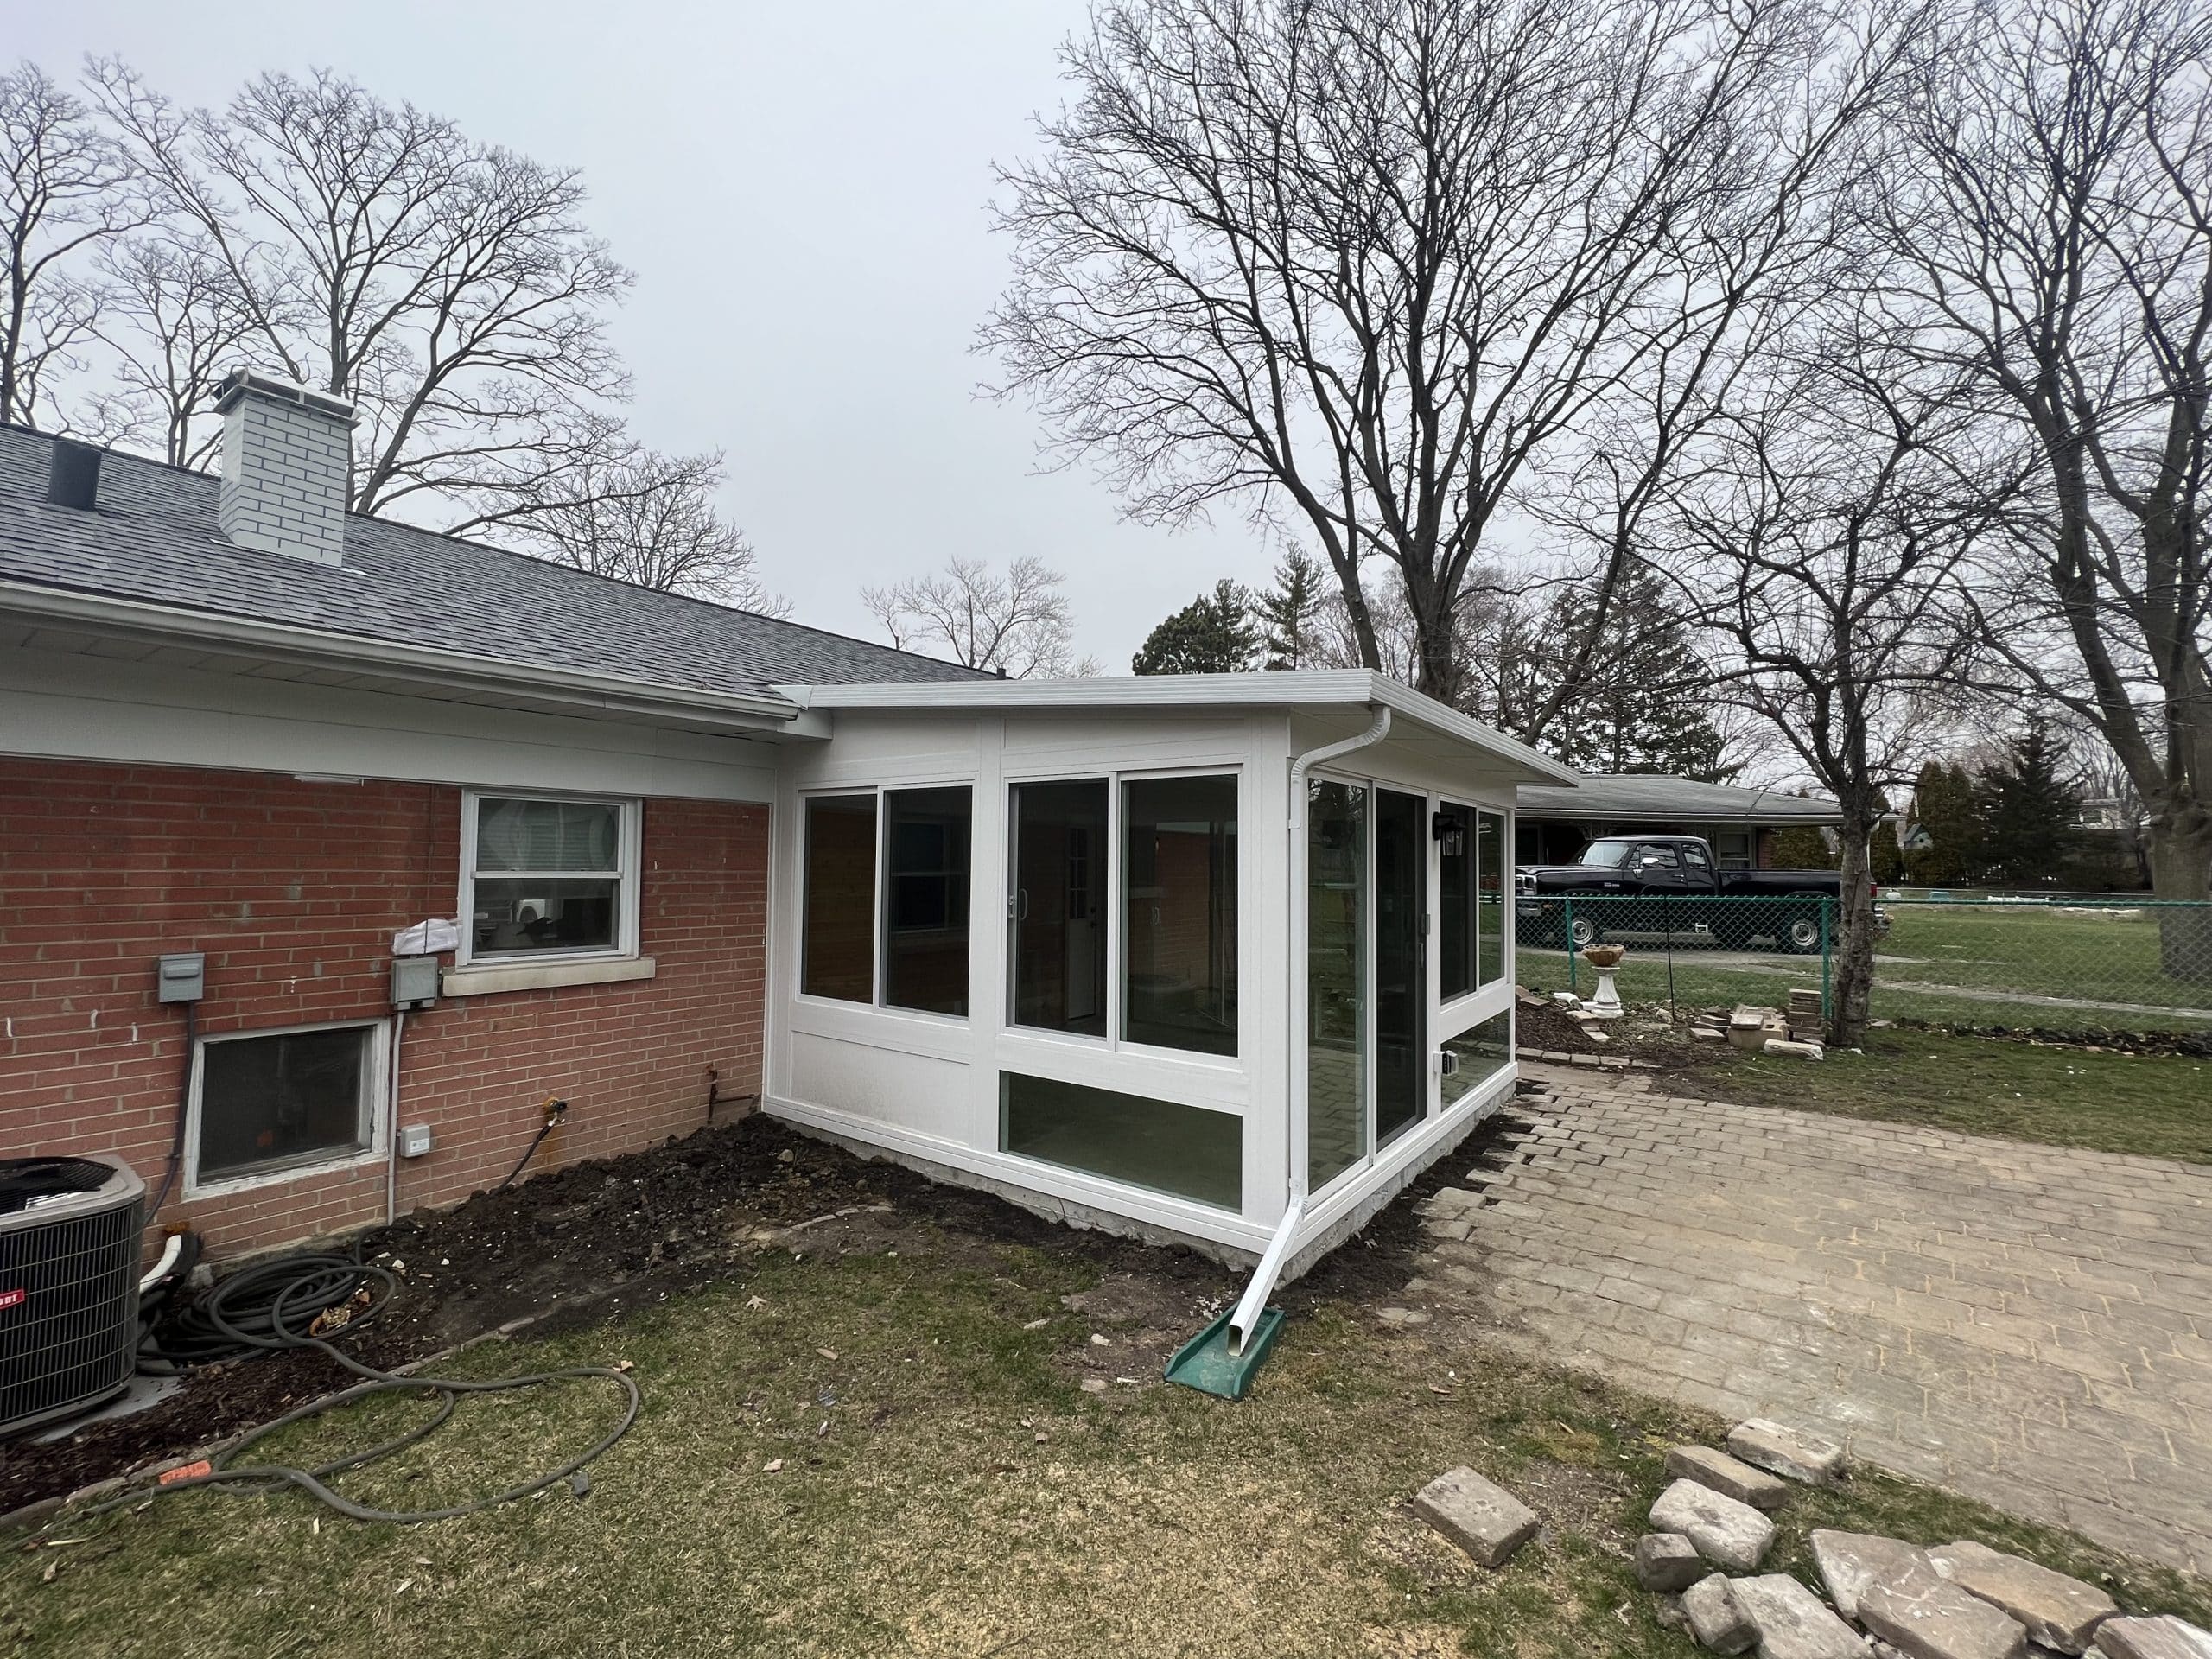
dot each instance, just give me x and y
(1223, 959)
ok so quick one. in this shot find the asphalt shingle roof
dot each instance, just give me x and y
(154, 538)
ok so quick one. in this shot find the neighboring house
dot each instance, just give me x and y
(1740, 824)
(1153, 954)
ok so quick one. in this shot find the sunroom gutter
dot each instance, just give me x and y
(1246, 1319)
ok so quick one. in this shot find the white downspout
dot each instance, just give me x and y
(1254, 1302)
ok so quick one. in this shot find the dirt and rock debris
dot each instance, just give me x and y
(583, 1243)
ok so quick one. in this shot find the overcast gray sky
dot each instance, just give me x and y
(801, 191)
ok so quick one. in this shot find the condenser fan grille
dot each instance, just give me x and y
(69, 1249)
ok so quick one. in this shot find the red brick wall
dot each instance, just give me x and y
(293, 890)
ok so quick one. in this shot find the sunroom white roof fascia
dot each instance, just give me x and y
(1314, 691)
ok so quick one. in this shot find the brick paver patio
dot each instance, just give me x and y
(2027, 1325)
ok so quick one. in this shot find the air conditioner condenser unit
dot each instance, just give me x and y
(69, 1246)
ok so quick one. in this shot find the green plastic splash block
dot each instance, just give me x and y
(1204, 1362)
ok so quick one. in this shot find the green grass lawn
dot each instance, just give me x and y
(2157, 1105)
(945, 1487)
(2109, 957)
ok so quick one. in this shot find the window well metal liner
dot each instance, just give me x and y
(69, 1248)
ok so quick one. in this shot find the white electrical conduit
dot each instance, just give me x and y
(391, 1125)
(1246, 1319)
(162, 1267)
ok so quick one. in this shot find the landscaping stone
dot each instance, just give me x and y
(1852, 1561)
(1792, 1622)
(1707, 1034)
(2163, 1638)
(1716, 1620)
(1924, 1616)
(1667, 1561)
(1726, 1474)
(1485, 1520)
(1790, 1049)
(1786, 1452)
(1726, 1532)
(2059, 1611)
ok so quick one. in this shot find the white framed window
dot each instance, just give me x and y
(547, 876)
(884, 903)
(272, 1105)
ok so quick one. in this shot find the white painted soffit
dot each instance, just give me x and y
(1316, 691)
(423, 671)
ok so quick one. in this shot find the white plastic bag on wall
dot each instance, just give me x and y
(431, 938)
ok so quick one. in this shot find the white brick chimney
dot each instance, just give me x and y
(288, 458)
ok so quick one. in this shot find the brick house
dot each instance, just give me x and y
(684, 856)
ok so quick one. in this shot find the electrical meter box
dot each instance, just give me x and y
(414, 981)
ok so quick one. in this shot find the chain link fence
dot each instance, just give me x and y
(2077, 968)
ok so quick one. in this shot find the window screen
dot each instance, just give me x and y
(547, 876)
(295, 1097)
(1457, 926)
(1490, 893)
(925, 900)
(1057, 911)
(837, 946)
(1179, 917)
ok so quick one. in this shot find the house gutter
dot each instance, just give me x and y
(580, 688)
(1246, 1319)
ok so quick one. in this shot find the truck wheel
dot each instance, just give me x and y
(1801, 936)
(1585, 933)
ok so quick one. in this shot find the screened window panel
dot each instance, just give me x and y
(570, 836)
(1184, 1150)
(1059, 907)
(1179, 941)
(295, 1097)
(1490, 894)
(1336, 945)
(1457, 929)
(925, 900)
(837, 943)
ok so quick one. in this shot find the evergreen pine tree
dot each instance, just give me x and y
(1210, 635)
(2030, 807)
(1944, 811)
(1290, 613)
(1639, 708)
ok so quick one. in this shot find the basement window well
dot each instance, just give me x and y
(265, 1103)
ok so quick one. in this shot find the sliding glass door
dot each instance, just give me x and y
(1337, 1041)
(1400, 962)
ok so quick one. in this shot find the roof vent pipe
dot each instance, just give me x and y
(72, 478)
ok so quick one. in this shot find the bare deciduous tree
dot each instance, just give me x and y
(2057, 224)
(1825, 535)
(446, 287)
(173, 322)
(1018, 623)
(650, 519)
(65, 186)
(1367, 262)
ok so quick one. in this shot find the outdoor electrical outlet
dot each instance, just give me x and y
(414, 1140)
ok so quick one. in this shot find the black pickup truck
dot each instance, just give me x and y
(1596, 898)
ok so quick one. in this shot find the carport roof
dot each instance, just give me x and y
(1653, 797)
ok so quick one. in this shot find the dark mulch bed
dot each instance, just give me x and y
(580, 1244)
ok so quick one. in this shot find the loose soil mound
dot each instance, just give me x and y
(583, 1243)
